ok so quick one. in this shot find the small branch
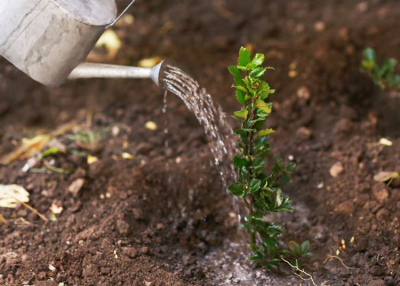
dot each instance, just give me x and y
(32, 209)
(296, 267)
(331, 257)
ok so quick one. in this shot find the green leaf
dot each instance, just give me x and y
(291, 167)
(274, 230)
(255, 257)
(369, 55)
(237, 77)
(240, 96)
(305, 246)
(240, 162)
(279, 165)
(254, 185)
(50, 151)
(244, 57)
(257, 73)
(258, 164)
(257, 215)
(242, 113)
(278, 198)
(263, 106)
(257, 60)
(270, 243)
(264, 90)
(285, 179)
(236, 189)
(266, 132)
(293, 246)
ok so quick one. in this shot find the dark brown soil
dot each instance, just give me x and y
(161, 218)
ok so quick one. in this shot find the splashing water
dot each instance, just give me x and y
(211, 116)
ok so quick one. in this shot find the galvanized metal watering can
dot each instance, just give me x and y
(49, 39)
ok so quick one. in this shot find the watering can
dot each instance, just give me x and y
(49, 39)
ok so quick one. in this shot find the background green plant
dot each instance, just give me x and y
(384, 76)
(261, 192)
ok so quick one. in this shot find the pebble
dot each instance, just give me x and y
(380, 192)
(347, 112)
(345, 208)
(97, 169)
(336, 169)
(396, 183)
(130, 251)
(106, 243)
(362, 7)
(396, 240)
(144, 250)
(319, 26)
(304, 133)
(46, 283)
(105, 270)
(343, 126)
(383, 215)
(76, 186)
(303, 93)
(361, 244)
(137, 214)
(85, 234)
(90, 270)
(123, 227)
(377, 271)
(144, 148)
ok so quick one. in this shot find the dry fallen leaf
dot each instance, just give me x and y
(385, 142)
(12, 195)
(111, 42)
(150, 62)
(151, 125)
(2, 219)
(76, 186)
(336, 169)
(30, 147)
(127, 156)
(126, 20)
(91, 159)
(385, 176)
(55, 209)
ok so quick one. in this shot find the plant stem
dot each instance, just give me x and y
(253, 244)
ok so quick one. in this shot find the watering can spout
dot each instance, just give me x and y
(157, 73)
(93, 70)
(49, 39)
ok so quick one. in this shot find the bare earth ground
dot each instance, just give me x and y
(161, 218)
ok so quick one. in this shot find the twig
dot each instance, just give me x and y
(35, 211)
(55, 169)
(2, 219)
(330, 257)
(296, 267)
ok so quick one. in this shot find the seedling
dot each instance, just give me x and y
(261, 192)
(384, 76)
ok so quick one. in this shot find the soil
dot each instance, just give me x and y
(163, 217)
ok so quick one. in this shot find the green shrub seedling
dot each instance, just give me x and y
(260, 192)
(384, 76)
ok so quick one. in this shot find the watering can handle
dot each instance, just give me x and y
(120, 15)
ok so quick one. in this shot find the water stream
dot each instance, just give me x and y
(211, 116)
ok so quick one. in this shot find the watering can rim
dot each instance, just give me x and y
(80, 17)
